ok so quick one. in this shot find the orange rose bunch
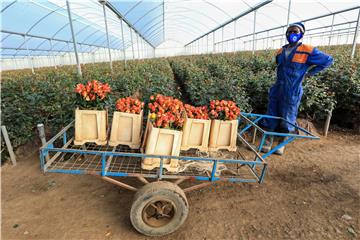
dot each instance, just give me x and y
(166, 112)
(224, 110)
(129, 105)
(196, 112)
(93, 90)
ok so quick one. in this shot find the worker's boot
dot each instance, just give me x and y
(268, 144)
(281, 150)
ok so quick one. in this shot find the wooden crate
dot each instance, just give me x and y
(223, 135)
(196, 134)
(126, 129)
(90, 126)
(161, 141)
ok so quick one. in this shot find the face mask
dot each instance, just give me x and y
(294, 37)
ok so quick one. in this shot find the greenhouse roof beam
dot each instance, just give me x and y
(233, 19)
(171, 17)
(250, 34)
(305, 20)
(319, 34)
(2, 10)
(172, 14)
(47, 38)
(33, 49)
(23, 56)
(154, 35)
(146, 13)
(122, 18)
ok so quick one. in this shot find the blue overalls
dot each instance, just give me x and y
(285, 95)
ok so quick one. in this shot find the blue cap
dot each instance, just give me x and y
(300, 25)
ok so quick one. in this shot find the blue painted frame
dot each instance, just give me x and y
(258, 162)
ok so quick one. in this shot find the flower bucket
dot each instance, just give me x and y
(160, 141)
(90, 126)
(196, 134)
(126, 129)
(223, 135)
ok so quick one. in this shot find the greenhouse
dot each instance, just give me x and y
(122, 30)
(230, 119)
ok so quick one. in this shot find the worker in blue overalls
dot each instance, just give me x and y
(294, 61)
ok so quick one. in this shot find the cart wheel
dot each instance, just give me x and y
(159, 208)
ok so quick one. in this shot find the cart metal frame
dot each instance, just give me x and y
(59, 155)
(161, 207)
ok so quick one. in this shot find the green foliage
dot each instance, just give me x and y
(27, 101)
(48, 96)
(343, 79)
(209, 78)
(317, 99)
(246, 79)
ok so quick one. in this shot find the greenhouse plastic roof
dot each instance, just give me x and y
(39, 27)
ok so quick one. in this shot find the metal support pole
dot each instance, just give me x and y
(68, 47)
(145, 50)
(42, 137)
(222, 40)
(31, 62)
(51, 46)
(81, 56)
(355, 36)
(73, 38)
(198, 46)
(141, 48)
(132, 44)
(207, 43)
(327, 123)
(287, 22)
(8, 145)
(234, 35)
(137, 45)
(107, 37)
(347, 36)
(123, 41)
(163, 20)
(254, 28)
(331, 31)
(214, 42)
(204, 45)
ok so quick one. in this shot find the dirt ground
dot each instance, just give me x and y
(313, 192)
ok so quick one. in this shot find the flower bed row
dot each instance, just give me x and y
(48, 97)
(246, 79)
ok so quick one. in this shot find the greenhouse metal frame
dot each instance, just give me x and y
(105, 31)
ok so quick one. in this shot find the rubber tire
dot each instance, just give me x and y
(154, 190)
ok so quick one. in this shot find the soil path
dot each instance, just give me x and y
(305, 195)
